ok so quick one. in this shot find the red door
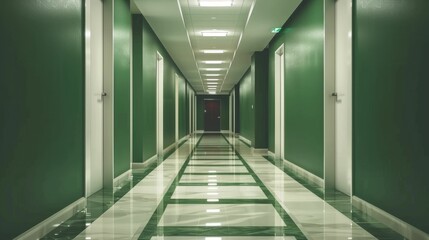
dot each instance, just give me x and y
(211, 115)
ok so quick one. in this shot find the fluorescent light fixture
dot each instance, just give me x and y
(212, 176)
(213, 210)
(212, 171)
(213, 69)
(212, 75)
(212, 62)
(212, 193)
(213, 51)
(211, 84)
(276, 30)
(213, 224)
(212, 200)
(213, 238)
(215, 3)
(214, 34)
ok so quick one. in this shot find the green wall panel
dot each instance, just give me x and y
(42, 111)
(150, 43)
(303, 38)
(224, 110)
(259, 70)
(390, 110)
(122, 51)
(183, 120)
(138, 122)
(247, 117)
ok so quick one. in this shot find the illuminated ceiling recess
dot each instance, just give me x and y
(212, 41)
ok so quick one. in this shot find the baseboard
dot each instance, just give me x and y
(310, 177)
(271, 154)
(53, 221)
(145, 163)
(225, 131)
(245, 140)
(169, 148)
(199, 131)
(118, 181)
(403, 228)
(260, 151)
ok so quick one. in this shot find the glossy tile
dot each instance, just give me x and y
(219, 179)
(216, 215)
(218, 192)
(216, 162)
(223, 238)
(216, 169)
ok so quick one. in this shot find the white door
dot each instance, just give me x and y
(343, 106)
(279, 114)
(94, 98)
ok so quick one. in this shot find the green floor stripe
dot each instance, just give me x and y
(221, 201)
(223, 231)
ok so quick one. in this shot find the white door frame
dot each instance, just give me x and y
(93, 96)
(279, 113)
(159, 105)
(343, 90)
(176, 108)
(189, 111)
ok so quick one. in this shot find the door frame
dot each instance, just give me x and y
(279, 112)
(159, 105)
(176, 107)
(220, 111)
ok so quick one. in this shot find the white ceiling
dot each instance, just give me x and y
(179, 25)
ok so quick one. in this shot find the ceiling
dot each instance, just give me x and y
(180, 24)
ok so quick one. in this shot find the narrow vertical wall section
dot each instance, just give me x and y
(41, 111)
(122, 84)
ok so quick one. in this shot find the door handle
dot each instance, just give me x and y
(103, 94)
(218, 117)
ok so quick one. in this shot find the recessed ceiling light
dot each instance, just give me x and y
(213, 51)
(212, 79)
(214, 34)
(212, 83)
(212, 75)
(212, 69)
(212, 62)
(215, 3)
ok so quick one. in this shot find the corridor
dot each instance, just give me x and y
(213, 187)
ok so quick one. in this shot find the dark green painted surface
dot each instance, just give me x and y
(224, 110)
(237, 108)
(260, 80)
(42, 111)
(247, 117)
(182, 109)
(169, 102)
(122, 51)
(150, 43)
(138, 105)
(390, 110)
(303, 39)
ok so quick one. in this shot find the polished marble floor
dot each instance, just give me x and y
(213, 187)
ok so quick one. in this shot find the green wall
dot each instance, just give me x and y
(224, 110)
(122, 51)
(246, 112)
(138, 105)
(303, 36)
(145, 47)
(259, 69)
(42, 111)
(390, 107)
